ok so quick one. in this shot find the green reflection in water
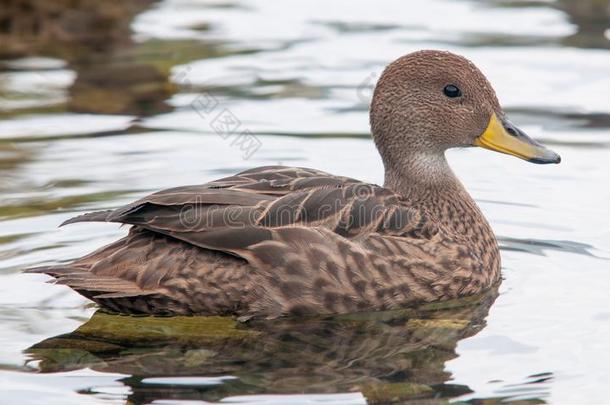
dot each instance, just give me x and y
(391, 357)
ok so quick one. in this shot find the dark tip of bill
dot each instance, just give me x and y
(543, 161)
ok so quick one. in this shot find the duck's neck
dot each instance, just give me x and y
(427, 182)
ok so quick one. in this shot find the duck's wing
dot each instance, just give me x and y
(312, 242)
(234, 214)
(244, 189)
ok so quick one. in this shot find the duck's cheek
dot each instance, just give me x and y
(464, 126)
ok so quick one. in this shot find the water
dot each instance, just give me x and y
(86, 126)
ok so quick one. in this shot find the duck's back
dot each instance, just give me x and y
(269, 242)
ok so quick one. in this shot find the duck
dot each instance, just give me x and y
(279, 241)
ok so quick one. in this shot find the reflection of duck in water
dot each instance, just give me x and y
(274, 241)
(393, 354)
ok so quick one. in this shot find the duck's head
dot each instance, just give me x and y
(429, 101)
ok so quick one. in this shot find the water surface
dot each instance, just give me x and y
(94, 122)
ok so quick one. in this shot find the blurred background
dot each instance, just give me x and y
(102, 102)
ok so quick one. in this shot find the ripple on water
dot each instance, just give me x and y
(299, 75)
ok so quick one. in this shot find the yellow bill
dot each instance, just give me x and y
(502, 136)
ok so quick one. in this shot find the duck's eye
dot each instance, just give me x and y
(452, 91)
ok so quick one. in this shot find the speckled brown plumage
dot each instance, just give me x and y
(276, 241)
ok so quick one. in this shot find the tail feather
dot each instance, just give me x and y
(54, 271)
(114, 295)
(98, 216)
(82, 280)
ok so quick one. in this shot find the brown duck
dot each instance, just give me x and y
(275, 241)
